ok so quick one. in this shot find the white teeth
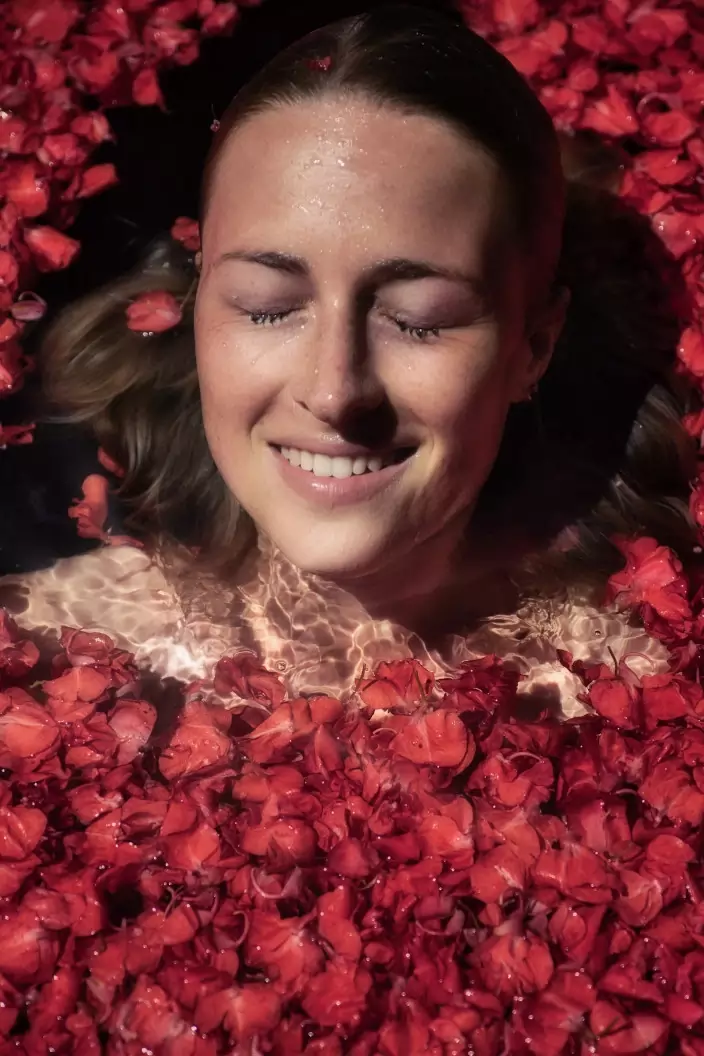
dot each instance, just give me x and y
(341, 467)
(322, 466)
(338, 466)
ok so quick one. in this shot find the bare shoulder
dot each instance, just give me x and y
(118, 590)
(603, 634)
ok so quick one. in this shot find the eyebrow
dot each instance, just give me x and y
(394, 269)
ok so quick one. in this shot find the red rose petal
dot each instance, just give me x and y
(336, 996)
(16, 434)
(52, 250)
(21, 829)
(13, 367)
(221, 19)
(154, 312)
(187, 232)
(43, 21)
(146, 90)
(438, 739)
(28, 951)
(200, 741)
(27, 731)
(245, 1011)
(612, 115)
(28, 308)
(91, 512)
(96, 179)
(132, 721)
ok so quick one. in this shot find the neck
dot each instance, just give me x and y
(438, 588)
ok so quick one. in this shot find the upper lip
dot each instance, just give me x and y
(339, 448)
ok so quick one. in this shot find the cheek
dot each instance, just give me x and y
(465, 404)
(234, 390)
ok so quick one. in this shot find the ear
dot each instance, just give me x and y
(541, 339)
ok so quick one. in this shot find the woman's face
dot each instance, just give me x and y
(360, 330)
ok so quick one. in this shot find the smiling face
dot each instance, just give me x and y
(360, 330)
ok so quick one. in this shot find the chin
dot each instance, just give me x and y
(334, 555)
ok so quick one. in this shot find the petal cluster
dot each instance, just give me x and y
(58, 59)
(412, 869)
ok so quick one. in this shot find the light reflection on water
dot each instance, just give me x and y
(179, 623)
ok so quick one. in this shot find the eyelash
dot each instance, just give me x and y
(417, 333)
(266, 318)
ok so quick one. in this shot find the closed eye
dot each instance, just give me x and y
(417, 333)
(268, 318)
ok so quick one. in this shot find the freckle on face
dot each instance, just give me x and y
(341, 187)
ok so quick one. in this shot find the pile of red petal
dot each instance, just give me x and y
(62, 62)
(410, 871)
(631, 71)
(413, 871)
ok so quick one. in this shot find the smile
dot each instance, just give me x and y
(340, 466)
(340, 480)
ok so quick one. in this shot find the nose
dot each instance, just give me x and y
(339, 381)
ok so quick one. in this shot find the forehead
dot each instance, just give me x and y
(345, 175)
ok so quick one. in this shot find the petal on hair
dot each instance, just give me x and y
(187, 232)
(154, 312)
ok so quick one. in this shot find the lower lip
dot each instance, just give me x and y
(336, 491)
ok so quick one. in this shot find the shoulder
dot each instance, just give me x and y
(605, 634)
(117, 590)
(534, 638)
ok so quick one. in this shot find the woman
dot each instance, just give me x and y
(403, 414)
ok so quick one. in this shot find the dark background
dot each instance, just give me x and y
(158, 156)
